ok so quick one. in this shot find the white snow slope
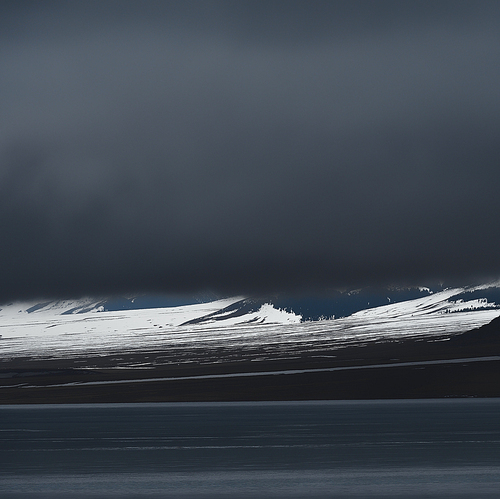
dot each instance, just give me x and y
(45, 333)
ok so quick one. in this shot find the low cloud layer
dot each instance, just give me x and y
(247, 147)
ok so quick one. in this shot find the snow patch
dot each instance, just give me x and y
(272, 315)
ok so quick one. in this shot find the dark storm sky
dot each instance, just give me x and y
(247, 146)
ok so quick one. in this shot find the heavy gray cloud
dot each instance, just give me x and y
(247, 146)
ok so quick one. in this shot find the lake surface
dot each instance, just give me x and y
(424, 448)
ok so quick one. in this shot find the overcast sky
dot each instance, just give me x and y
(247, 146)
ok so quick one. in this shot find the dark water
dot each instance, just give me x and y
(439, 448)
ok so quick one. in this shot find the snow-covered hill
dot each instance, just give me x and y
(82, 327)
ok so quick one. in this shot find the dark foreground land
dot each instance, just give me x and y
(464, 365)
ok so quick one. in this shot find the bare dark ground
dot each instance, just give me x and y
(464, 372)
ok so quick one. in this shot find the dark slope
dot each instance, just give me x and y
(237, 309)
(484, 337)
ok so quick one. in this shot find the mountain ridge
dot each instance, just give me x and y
(313, 307)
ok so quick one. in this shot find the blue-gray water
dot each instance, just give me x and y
(426, 448)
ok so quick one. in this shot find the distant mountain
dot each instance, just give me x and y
(283, 308)
(344, 304)
(109, 304)
(336, 304)
(248, 311)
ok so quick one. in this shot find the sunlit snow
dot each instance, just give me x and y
(46, 333)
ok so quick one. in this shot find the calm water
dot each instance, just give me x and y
(439, 448)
